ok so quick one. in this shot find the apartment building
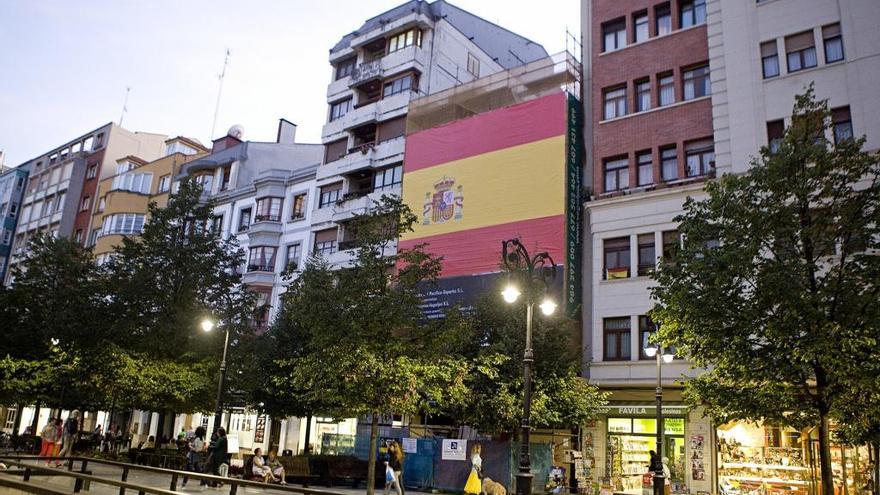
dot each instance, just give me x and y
(61, 189)
(681, 92)
(123, 199)
(416, 49)
(12, 187)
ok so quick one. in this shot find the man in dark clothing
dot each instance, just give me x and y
(218, 452)
(70, 430)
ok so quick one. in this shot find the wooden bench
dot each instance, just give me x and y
(299, 470)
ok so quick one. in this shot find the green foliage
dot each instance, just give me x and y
(494, 335)
(125, 333)
(775, 290)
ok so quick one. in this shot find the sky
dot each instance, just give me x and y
(65, 65)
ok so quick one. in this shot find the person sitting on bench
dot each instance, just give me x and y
(260, 469)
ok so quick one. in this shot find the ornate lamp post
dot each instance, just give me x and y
(208, 325)
(535, 275)
(663, 356)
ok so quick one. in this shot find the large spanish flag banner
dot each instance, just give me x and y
(478, 181)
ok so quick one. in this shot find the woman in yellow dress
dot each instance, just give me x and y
(473, 485)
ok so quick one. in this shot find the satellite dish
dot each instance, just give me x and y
(236, 131)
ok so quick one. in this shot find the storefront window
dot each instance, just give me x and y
(629, 442)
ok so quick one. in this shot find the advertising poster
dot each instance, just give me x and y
(454, 450)
(410, 445)
(698, 472)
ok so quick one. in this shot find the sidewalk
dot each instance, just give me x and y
(163, 481)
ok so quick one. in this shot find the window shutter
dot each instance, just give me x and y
(831, 31)
(768, 48)
(799, 41)
(325, 235)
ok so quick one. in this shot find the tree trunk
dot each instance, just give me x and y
(827, 479)
(876, 473)
(307, 449)
(374, 446)
(36, 419)
(19, 412)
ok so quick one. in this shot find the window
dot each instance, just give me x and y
(800, 51)
(330, 194)
(699, 158)
(616, 174)
(217, 225)
(398, 85)
(647, 256)
(616, 258)
(268, 210)
(102, 203)
(339, 109)
(842, 124)
(205, 180)
(646, 168)
(643, 95)
(345, 68)
(298, 209)
(11, 413)
(244, 220)
(124, 167)
(617, 339)
(833, 43)
(405, 39)
(225, 176)
(473, 65)
(666, 89)
(615, 102)
(614, 35)
(671, 244)
(138, 183)
(640, 27)
(77, 237)
(693, 12)
(123, 223)
(663, 19)
(99, 140)
(769, 59)
(669, 163)
(294, 253)
(85, 204)
(164, 183)
(696, 82)
(775, 133)
(325, 242)
(92, 171)
(262, 259)
(646, 328)
(388, 178)
(335, 150)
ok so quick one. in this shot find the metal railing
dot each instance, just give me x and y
(83, 477)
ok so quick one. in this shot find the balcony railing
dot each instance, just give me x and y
(363, 148)
(366, 71)
(267, 218)
(260, 268)
(347, 245)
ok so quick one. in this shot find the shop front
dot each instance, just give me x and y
(617, 449)
(755, 458)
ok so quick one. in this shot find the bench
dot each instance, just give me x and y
(299, 470)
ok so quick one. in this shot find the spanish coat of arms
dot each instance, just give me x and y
(444, 204)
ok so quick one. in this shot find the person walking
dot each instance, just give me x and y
(395, 463)
(68, 438)
(219, 455)
(196, 456)
(48, 437)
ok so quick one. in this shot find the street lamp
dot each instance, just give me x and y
(208, 325)
(663, 355)
(536, 273)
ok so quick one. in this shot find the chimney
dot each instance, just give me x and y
(286, 132)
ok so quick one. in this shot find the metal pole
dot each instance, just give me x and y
(524, 477)
(218, 414)
(659, 478)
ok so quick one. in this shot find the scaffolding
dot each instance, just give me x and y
(561, 72)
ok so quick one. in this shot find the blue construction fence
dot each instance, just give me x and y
(426, 468)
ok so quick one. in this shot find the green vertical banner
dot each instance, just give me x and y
(574, 151)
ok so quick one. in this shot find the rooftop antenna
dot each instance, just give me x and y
(124, 105)
(220, 92)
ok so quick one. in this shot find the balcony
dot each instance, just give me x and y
(367, 71)
(264, 232)
(259, 275)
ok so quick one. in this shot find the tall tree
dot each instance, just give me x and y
(349, 345)
(494, 335)
(177, 272)
(775, 289)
